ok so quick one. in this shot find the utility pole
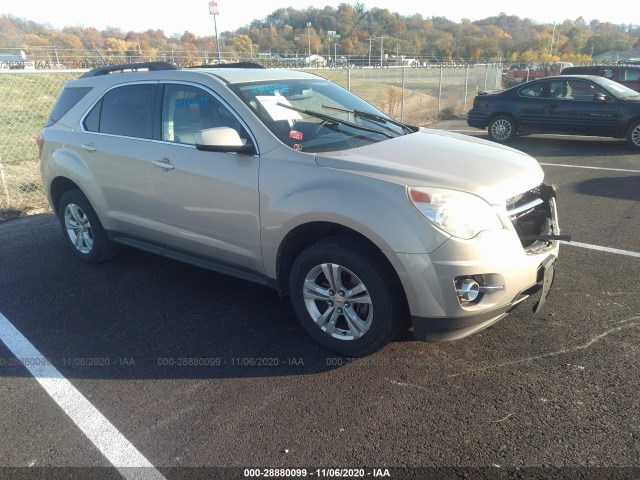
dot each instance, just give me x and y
(370, 50)
(309, 34)
(381, 49)
(213, 10)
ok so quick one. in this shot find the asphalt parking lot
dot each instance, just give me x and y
(182, 367)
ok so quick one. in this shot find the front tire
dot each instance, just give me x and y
(502, 129)
(633, 135)
(345, 298)
(82, 229)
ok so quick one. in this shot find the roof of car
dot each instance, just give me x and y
(595, 78)
(242, 72)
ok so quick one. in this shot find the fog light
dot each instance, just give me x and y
(468, 289)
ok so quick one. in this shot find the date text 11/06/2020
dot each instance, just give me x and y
(233, 362)
(316, 472)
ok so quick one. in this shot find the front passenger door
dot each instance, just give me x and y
(208, 202)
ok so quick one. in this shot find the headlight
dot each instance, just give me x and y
(459, 214)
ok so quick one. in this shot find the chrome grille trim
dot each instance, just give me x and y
(523, 208)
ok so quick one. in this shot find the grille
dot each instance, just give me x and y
(531, 214)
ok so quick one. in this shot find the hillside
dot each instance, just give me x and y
(349, 30)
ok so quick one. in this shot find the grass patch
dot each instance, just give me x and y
(28, 98)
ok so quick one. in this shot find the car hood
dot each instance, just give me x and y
(436, 158)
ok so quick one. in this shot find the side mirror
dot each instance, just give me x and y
(600, 97)
(222, 139)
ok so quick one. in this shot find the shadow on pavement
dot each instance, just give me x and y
(144, 316)
(622, 188)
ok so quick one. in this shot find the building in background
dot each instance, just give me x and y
(630, 56)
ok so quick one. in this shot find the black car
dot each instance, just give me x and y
(568, 104)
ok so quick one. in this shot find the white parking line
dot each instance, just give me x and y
(591, 168)
(628, 253)
(112, 444)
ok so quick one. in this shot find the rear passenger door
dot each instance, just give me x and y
(532, 105)
(118, 147)
(207, 202)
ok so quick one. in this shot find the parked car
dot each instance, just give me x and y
(627, 75)
(568, 104)
(289, 180)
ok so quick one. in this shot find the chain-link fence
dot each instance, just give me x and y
(27, 98)
(417, 96)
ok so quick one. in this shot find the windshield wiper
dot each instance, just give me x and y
(372, 116)
(329, 118)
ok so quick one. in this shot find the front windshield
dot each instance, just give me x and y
(316, 115)
(617, 89)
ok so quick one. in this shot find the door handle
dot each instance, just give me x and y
(88, 147)
(165, 164)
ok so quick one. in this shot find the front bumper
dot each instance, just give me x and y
(452, 328)
(510, 266)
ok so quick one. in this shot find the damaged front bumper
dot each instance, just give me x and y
(507, 267)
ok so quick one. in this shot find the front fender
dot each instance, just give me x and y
(377, 209)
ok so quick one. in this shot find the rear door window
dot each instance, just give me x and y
(127, 111)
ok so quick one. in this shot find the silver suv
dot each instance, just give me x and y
(289, 180)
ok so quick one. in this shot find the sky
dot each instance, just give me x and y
(193, 15)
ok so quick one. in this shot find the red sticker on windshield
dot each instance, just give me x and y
(295, 135)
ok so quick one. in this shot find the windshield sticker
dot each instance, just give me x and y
(186, 102)
(275, 111)
(295, 135)
(297, 147)
(266, 89)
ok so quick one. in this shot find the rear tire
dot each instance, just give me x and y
(633, 135)
(502, 129)
(345, 297)
(82, 229)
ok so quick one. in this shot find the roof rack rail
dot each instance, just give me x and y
(150, 66)
(230, 65)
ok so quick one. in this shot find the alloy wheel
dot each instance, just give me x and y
(501, 129)
(338, 301)
(78, 228)
(635, 135)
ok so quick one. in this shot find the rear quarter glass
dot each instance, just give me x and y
(67, 99)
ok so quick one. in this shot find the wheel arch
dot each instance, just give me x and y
(493, 116)
(58, 187)
(632, 121)
(635, 121)
(307, 234)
